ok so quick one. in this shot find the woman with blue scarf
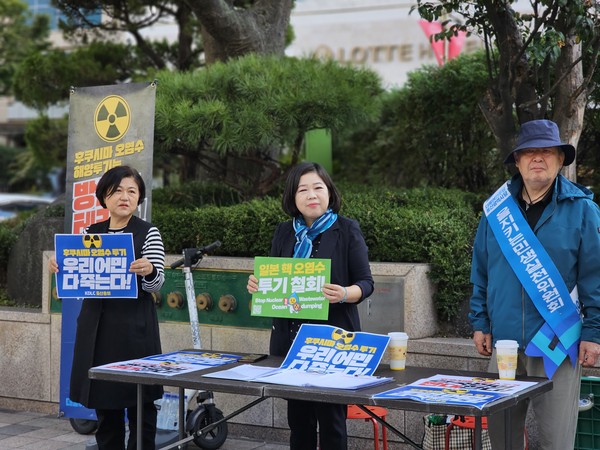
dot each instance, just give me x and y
(317, 231)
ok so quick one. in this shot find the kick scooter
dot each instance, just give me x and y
(205, 412)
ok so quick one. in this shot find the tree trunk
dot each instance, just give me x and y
(185, 38)
(512, 85)
(229, 32)
(570, 100)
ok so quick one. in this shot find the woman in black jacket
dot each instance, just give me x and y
(119, 329)
(316, 230)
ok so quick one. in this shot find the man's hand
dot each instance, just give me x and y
(483, 342)
(588, 353)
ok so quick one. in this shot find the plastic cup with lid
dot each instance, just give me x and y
(397, 348)
(506, 356)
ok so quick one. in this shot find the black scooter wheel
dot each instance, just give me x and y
(216, 437)
(84, 426)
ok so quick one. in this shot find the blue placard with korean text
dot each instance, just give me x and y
(209, 359)
(447, 396)
(95, 266)
(327, 349)
(456, 390)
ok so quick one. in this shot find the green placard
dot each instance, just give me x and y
(291, 288)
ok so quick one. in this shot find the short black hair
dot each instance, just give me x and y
(288, 201)
(111, 180)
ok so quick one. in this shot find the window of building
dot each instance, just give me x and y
(45, 7)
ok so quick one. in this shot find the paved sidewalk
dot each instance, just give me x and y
(30, 430)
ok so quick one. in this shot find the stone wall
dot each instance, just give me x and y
(31, 344)
(30, 352)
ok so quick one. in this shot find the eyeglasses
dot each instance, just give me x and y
(546, 151)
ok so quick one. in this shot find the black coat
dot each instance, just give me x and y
(115, 329)
(345, 245)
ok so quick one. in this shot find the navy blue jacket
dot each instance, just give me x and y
(345, 245)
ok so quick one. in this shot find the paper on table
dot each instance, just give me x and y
(456, 390)
(332, 380)
(296, 377)
(245, 372)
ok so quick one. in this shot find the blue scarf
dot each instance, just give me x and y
(306, 234)
(559, 336)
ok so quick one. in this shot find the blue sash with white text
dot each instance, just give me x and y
(540, 278)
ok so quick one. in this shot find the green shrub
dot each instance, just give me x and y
(9, 232)
(54, 210)
(430, 132)
(5, 300)
(245, 229)
(434, 226)
(196, 194)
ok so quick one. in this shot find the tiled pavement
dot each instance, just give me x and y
(37, 431)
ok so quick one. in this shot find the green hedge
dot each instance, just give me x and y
(244, 229)
(9, 232)
(434, 226)
(195, 194)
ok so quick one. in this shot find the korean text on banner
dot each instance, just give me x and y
(291, 287)
(95, 266)
(109, 126)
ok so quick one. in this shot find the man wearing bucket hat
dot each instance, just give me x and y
(536, 280)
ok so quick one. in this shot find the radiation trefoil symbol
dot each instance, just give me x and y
(340, 335)
(112, 118)
(92, 241)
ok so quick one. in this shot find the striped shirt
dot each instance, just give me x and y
(154, 250)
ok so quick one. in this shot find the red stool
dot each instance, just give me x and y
(469, 423)
(354, 412)
(463, 422)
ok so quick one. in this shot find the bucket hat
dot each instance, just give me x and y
(539, 134)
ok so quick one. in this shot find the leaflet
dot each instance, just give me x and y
(321, 356)
(174, 363)
(245, 372)
(298, 377)
(456, 390)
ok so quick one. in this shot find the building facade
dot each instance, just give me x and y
(383, 35)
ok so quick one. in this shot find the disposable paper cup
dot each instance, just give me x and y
(506, 354)
(397, 347)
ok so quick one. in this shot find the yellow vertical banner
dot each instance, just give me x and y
(109, 126)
